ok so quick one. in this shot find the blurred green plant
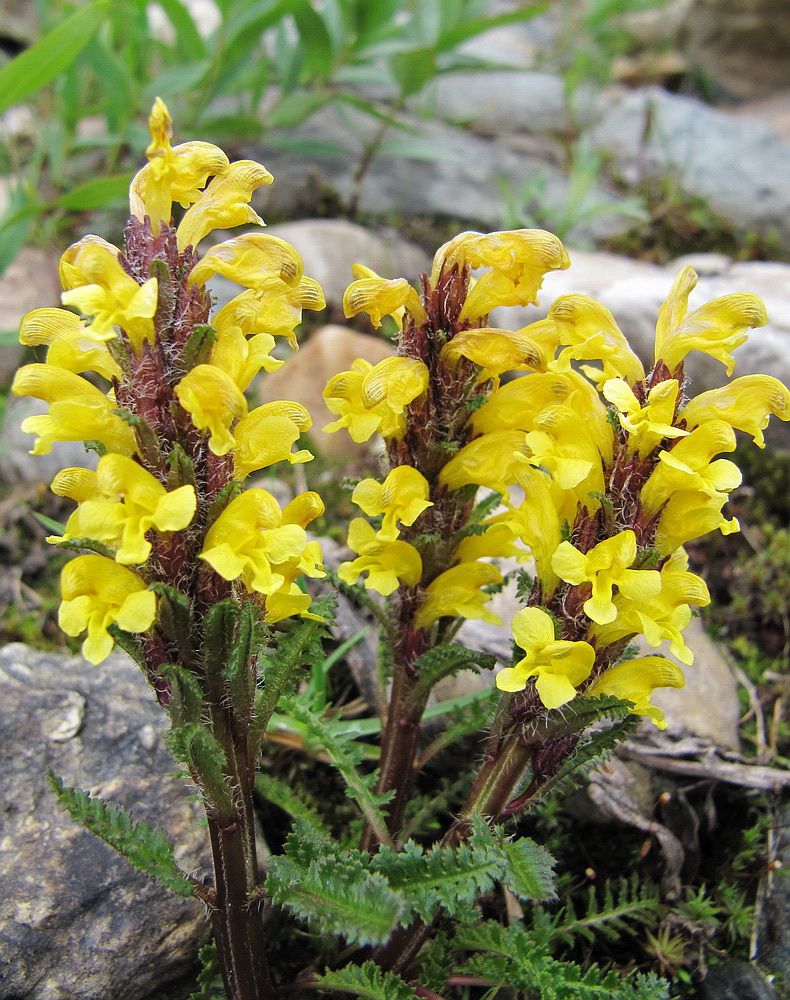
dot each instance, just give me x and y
(265, 65)
(566, 213)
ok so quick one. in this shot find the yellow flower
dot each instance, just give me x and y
(388, 564)
(588, 332)
(224, 203)
(687, 467)
(495, 352)
(72, 345)
(457, 593)
(605, 566)
(249, 540)
(647, 425)
(70, 273)
(266, 435)
(563, 444)
(213, 400)
(518, 261)
(403, 496)
(662, 617)
(172, 173)
(516, 404)
(635, 681)
(496, 542)
(559, 666)
(716, 328)
(133, 502)
(382, 297)
(78, 411)
(372, 398)
(251, 260)
(241, 358)
(690, 514)
(537, 523)
(747, 404)
(97, 593)
(489, 460)
(274, 309)
(111, 297)
(78, 485)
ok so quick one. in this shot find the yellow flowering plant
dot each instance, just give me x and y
(586, 471)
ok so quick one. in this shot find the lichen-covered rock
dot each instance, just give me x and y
(76, 921)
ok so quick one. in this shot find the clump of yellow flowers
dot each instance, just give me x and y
(185, 568)
(605, 472)
(170, 420)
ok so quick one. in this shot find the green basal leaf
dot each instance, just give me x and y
(333, 890)
(146, 848)
(447, 660)
(51, 55)
(290, 801)
(368, 981)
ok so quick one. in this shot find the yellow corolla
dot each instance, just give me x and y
(110, 297)
(213, 401)
(387, 563)
(403, 496)
(132, 503)
(716, 328)
(249, 540)
(457, 593)
(97, 593)
(607, 565)
(380, 297)
(172, 173)
(558, 666)
(635, 681)
(746, 403)
(78, 411)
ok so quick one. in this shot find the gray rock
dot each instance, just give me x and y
(736, 981)
(76, 921)
(742, 49)
(740, 168)
(773, 906)
(428, 168)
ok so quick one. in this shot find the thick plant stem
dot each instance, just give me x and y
(398, 752)
(237, 915)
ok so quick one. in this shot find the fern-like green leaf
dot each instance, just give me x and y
(368, 981)
(608, 911)
(284, 796)
(451, 878)
(333, 889)
(514, 956)
(146, 848)
(528, 870)
(346, 754)
(446, 660)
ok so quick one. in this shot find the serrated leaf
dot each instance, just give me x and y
(146, 848)
(51, 55)
(290, 801)
(448, 659)
(333, 889)
(442, 877)
(529, 869)
(368, 981)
